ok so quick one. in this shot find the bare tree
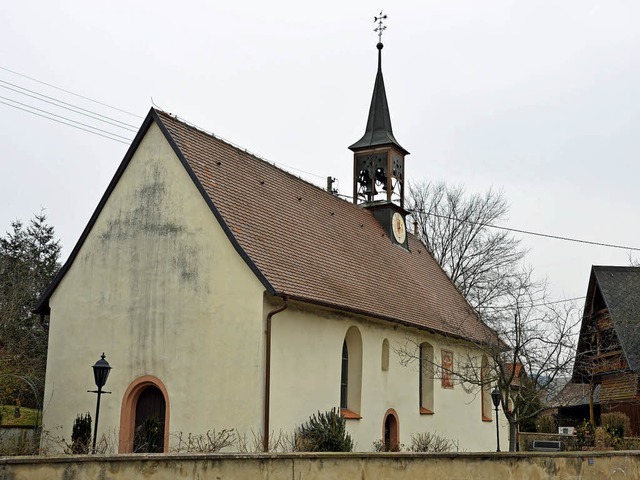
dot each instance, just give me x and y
(483, 263)
(536, 349)
(534, 342)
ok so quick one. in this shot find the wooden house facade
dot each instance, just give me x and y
(608, 348)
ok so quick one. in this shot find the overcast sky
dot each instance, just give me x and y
(540, 99)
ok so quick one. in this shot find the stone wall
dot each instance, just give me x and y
(371, 466)
(18, 440)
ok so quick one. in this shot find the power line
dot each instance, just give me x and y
(68, 124)
(64, 118)
(537, 304)
(131, 128)
(297, 169)
(70, 92)
(528, 232)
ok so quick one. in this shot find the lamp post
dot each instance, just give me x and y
(495, 398)
(101, 371)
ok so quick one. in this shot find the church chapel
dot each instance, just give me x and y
(227, 293)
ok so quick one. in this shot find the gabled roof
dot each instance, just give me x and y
(307, 244)
(620, 287)
(620, 290)
(573, 395)
(378, 131)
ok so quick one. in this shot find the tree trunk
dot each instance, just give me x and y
(513, 436)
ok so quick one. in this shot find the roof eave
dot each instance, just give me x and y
(365, 313)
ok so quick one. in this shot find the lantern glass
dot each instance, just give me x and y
(101, 371)
(495, 397)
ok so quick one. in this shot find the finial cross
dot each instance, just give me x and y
(380, 28)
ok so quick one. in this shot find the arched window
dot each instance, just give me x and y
(344, 376)
(385, 355)
(351, 374)
(485, 381)
(425, 389)
(144, 417)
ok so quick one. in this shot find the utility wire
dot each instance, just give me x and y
(127, 126)
(68, 124)
(133, 129)
(64, 118)
(528, 232)
(535, 305)
(296, 169)
(70, 92)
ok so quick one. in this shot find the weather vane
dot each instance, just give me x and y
(380, 28)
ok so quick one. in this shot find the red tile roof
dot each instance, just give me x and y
(316, 247)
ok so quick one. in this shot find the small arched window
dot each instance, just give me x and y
(385, 355)
(351, 374)
(425, 390)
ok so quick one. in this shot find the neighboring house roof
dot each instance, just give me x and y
(573, 395)
(306, 243)
(519, 371)
(620, 287)
(620, 290)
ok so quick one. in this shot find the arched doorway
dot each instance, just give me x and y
(149, 423)
(144, 418)
(391, 431)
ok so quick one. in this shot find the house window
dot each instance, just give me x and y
(385, 355)
(485, 381)
(447, 369)
(351, 374)
(425, 388)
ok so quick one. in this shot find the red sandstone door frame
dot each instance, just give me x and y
(128, 412)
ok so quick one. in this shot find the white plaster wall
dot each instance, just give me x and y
(159, 288)
(306, 361)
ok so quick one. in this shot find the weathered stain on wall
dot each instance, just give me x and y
(145, 217)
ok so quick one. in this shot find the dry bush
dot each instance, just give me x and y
(380, 446)
(432, 442)
(282, 442)
(209, 442)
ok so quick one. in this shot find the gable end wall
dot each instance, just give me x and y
(160, 289)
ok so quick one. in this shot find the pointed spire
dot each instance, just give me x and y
(378, 131)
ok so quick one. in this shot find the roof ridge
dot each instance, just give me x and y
(616, 267)
(246, 151)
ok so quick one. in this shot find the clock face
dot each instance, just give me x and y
(397, 225)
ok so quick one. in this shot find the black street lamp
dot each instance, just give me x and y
(101, 371)
(495, 398)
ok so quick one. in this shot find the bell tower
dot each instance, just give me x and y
(378, 161)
